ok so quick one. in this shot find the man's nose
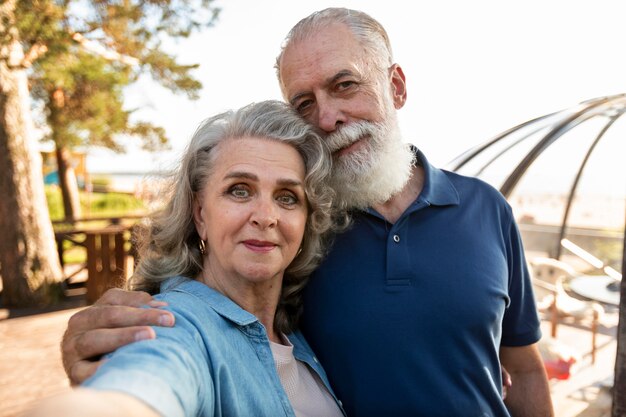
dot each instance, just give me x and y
(330, 115)
(264, 214)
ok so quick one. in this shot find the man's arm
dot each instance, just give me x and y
(115, 320)
(529, 394)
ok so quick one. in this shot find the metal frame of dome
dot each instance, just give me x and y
(557, 124)
(610, 107)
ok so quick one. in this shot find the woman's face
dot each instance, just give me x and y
(252, 211)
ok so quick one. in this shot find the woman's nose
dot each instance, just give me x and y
(264, 214)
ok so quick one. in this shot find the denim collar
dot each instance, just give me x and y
(222, 305)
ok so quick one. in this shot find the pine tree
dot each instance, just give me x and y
(78, 56)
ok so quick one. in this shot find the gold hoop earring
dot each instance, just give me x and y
(202, 246)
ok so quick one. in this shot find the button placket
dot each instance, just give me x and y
(398, 261)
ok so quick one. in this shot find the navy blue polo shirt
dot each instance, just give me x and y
(407, 318)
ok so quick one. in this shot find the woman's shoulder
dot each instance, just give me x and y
(197, 303)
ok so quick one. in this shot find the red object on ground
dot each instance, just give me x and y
(559, 369)
(558, 358)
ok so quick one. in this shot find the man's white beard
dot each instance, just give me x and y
(380, 168)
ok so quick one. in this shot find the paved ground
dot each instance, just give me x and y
(30, 359)
(30, 364)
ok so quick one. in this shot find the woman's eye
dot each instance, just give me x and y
(287, 199)
(239, 192)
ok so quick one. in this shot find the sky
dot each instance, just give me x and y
(473, 68)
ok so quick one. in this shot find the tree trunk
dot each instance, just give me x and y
(30, 271)
(68, 184)
(619, 385)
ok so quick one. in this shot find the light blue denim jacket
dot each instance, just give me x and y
(216, 360)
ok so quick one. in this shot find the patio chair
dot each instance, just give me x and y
(548, 277)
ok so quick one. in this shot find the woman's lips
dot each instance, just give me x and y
(260, 246)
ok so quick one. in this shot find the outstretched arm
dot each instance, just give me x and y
(115, 320)
(84, 402)
(529, 394)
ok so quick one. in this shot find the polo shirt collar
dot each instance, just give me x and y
(438, 189)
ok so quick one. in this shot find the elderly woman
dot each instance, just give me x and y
(230, 251)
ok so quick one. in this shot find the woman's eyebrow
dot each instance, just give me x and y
(241, 174)
(283, 182)
(289, 182)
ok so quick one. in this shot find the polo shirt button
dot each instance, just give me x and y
(315, 359)
(396, 238)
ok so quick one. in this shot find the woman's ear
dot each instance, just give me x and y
(398, 86)
(197, 218)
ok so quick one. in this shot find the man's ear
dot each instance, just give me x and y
(398, 86)
(197, 218)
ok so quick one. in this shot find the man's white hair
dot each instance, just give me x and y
(367, 30)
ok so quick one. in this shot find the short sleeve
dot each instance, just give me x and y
(521, 325)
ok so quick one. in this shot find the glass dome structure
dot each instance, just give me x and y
(564, 174)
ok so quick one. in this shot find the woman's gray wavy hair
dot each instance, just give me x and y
(168, 245)
(368, 31)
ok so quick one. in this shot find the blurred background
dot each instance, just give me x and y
(477, 73)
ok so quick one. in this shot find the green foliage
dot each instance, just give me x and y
(171, 75)
(100, 181)
(38, 23)
(84, 99)
(96, 204)
(113, 204)
(83, 53)
(55, 202)
(89, 50)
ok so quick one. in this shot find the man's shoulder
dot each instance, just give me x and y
(475, 193)
(467, 184)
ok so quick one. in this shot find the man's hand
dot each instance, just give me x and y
(506, 382)
(115, 320)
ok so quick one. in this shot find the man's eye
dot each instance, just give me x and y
(303, 106)
(344, 85)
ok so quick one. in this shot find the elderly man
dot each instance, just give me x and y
(419, 303)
